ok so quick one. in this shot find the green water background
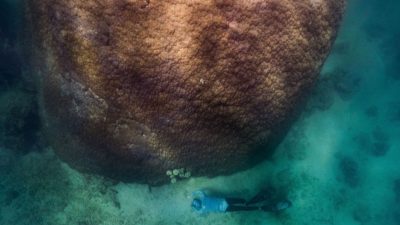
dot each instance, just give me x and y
(339, 164)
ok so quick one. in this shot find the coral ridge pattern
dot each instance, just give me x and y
(133, 88)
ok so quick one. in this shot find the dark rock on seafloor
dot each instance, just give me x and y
(372, 111)
(133, 88)
(345, 84)
(349, 170)
(396, 217)
(380, 149)
(10, 196)
(396, 189)
(322, 96)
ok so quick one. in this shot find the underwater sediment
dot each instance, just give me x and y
(131, 89)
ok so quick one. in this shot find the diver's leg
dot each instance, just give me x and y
(264, 195)
(268, 207)
(232, 201)
(235, 208)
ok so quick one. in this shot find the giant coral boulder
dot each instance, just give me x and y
(132, 88)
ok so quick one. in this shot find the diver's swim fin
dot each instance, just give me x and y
(280, 206)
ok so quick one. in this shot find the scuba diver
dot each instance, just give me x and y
(265, 200)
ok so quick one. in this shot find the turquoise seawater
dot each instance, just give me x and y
(339, 164)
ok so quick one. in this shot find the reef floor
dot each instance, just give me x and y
(339, 164)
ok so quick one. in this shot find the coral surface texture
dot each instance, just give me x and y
(133, 88)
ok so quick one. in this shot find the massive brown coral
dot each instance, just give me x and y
(132, 88)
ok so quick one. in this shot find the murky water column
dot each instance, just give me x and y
(338, 164)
